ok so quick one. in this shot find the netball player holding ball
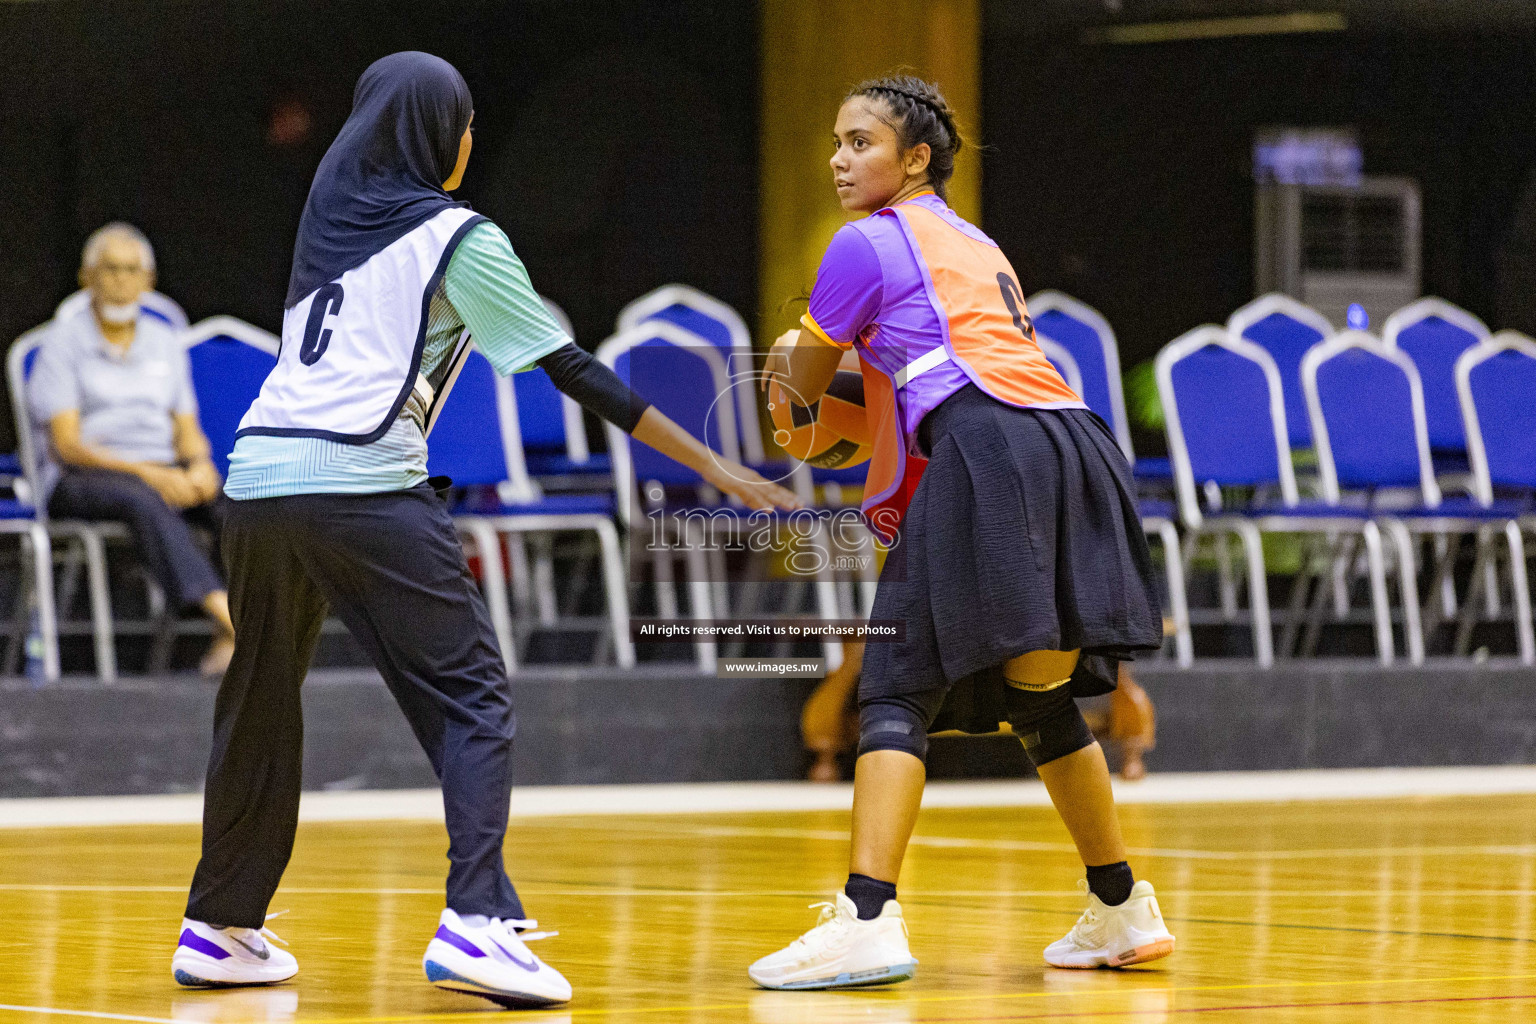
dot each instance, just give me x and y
(1018, 562)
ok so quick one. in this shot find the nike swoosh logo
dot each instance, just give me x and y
(261, 954)
(531, 966)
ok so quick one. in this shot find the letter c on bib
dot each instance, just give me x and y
(327, 302)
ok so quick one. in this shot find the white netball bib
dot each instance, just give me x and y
(351, 351)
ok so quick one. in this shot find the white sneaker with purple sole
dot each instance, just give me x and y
(491, 960)
(209, 957)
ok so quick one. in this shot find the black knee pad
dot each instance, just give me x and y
(893, 723)
(1048, 722)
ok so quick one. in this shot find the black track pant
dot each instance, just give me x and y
(391, 568)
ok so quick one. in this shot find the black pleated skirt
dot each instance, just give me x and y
(1022, 536)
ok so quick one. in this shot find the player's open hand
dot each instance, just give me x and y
(777, 362)
(750, 488)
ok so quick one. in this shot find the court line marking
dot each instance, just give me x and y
(1035, 846)
(914, 894)
(87, 1013)
(905, 999)
(723, 797)
(1222, 1009)
(937, 997)
(918, 900)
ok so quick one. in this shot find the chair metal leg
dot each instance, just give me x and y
(1296, 607)
(1522, 593)
(101, 605)
(660, 544)
(618, 594)
(826, 599)
(1258, 594)
(1491, 589)
(1445, 552)
(1227, 582)
(544, 577)
(1178, 598)
(522, 573)
(1381, 606)
(1475, 585)
(493, 577)
(1408, 589)
(1341, 550)
(1339, 578)
(165, 627)
(1436, 608)
(698, 593)
(40, 547)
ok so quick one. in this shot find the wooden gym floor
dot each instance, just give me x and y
(1381, 910)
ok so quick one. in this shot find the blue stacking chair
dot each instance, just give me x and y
(475, 439)
(721, 326)
(1157, 519)
(1367, 407)
(1286, 329)
(27, 517)
(230, 361)
(1434, 333)
(1082, 332)
(1495, 381)
(21, 518)
(1225, 411)
(686, 378)
(555, 444)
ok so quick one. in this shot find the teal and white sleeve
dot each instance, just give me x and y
(490, 290)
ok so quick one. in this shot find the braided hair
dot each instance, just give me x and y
(920, 113)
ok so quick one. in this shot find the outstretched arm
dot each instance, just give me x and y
(599, 390)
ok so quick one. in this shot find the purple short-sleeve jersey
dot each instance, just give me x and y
(870, 289)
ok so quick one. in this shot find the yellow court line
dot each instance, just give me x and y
(935, 998)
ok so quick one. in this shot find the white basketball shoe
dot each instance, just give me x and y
(491, 960)
(209, 957)
(1131, 933)
(841, 951)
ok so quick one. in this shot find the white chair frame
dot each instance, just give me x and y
(1482, 487)
(1052, 300)
(1249, 529)
(485, 533)
(652, 302)
(703, 596)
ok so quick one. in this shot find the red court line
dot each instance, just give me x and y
(1222, 1009)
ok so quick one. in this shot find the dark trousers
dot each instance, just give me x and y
(163, 535)
(390, 566)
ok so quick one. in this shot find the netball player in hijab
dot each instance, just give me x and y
(332, 512)
(1017, 563)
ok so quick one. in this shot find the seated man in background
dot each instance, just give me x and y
(113, 388)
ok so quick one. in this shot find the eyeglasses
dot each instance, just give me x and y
(104, 267)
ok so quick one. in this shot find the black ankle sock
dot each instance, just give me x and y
(869, 895)
(1111, 883)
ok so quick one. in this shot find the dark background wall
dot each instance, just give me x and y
(615, 141)
(1122, 174)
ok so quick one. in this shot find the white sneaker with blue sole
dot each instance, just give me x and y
(209, 957)
(841, 951)
(490, 960)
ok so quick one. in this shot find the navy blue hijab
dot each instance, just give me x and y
(384, 173)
